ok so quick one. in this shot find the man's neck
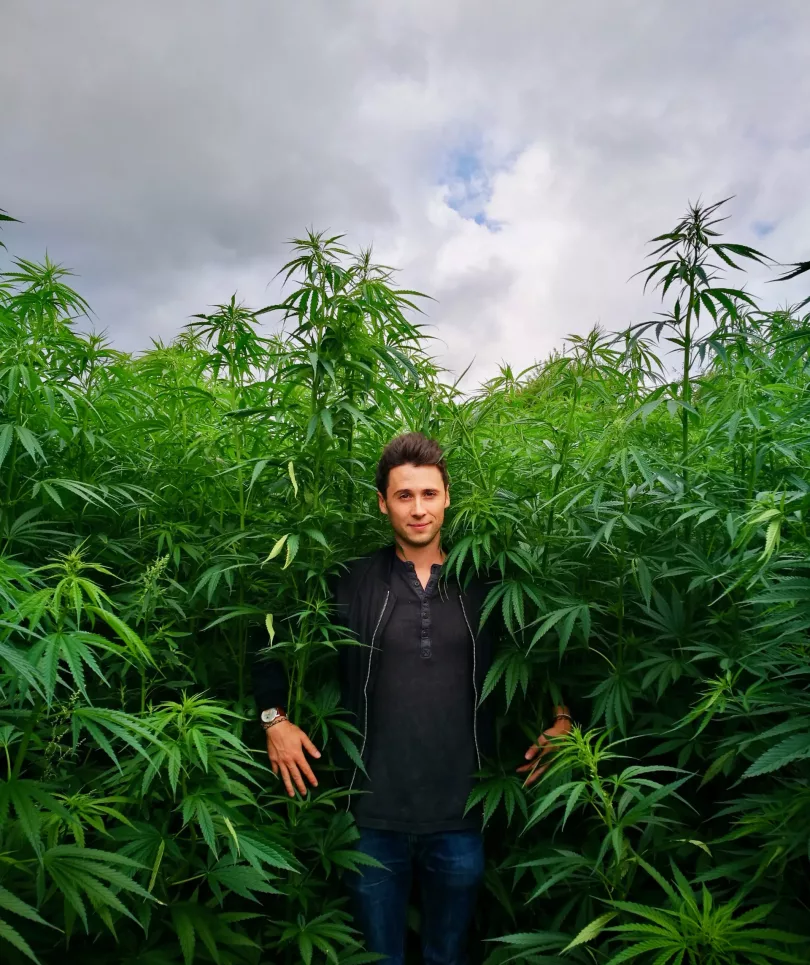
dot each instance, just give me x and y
(422, 557)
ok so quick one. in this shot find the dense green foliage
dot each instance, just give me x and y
(644, 529)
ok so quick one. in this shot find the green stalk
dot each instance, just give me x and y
(316, 467)
(752, 474)
(620, 604)
(241, 653)
(28, 730)
(13, 454)
(350, 484)
(563, 454)
(686, 383)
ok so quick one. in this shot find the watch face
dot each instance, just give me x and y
(268, 715)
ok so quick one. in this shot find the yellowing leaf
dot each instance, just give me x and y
(772, 538)
(277, 548)
(591, 931)
(292, 549)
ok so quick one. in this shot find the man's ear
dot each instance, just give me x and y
(381, 503)
(446, 496)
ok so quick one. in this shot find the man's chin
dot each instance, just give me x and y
(417, 539)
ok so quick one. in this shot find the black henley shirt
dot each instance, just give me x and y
(422, 752)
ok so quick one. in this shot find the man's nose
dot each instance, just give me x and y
(418, 509)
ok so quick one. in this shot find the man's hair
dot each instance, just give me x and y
(410, 448)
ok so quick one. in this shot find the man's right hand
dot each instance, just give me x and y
(286, 744)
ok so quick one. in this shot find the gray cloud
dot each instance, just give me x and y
(167, 151)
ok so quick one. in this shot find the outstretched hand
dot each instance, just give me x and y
(539, 750)
(286, 744)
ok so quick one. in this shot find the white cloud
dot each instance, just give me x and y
(167, 151)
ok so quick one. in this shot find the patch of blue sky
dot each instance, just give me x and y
(763, 228)
(467, 165)
(469, 186)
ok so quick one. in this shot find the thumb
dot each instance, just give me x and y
(309, 746)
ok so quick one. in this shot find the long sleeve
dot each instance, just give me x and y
(269, 675)
(268, 670)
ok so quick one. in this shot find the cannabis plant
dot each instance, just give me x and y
(169, 516)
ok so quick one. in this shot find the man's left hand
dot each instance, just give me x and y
(541, 748)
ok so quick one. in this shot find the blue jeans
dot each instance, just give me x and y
(450, 866)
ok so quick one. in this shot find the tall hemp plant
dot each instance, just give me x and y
(165, 516)
(143, 497)
(654, 602)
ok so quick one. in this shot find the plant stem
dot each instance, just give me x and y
(22, 750)
(686, 384)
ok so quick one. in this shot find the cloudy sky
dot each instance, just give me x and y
(511, 157)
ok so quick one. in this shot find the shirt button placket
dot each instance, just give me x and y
(425, 651)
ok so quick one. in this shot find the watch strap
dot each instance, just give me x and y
(278, 713)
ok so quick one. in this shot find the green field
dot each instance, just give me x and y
(639, 502)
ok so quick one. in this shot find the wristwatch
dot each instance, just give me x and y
(269, 716)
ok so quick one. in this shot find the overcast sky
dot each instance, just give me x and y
(511, 157)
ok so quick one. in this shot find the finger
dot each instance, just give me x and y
(295, 774)
(286, 778)
(535, 775)
(306, 770)
(274, 765)
(307, 744)
(535, 769)
(524, 768)
(542, 740)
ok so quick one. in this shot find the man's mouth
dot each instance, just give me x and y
(418, 525)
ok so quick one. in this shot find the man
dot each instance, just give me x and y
(414, 691)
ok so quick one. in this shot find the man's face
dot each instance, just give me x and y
(415, 503)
